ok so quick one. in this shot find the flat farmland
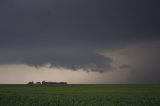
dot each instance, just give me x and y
(80, 95)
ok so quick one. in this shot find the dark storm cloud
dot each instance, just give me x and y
(71, 59)
(84, 25)
(78, 22)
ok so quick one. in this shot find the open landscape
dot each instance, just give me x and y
(79, 95)
(79, 52)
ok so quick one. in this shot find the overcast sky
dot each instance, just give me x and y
(80, 41)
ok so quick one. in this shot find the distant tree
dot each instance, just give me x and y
(38, 82)
(44, 82)
(31, 82)
(62, 82)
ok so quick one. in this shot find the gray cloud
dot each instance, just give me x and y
(81, 23)
(71, 33)
(66, 58)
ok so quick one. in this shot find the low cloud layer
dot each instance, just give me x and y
(72, 34)
(72, 59)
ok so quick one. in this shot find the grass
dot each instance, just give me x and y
(79, 95)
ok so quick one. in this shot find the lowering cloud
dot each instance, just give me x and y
(72, 59)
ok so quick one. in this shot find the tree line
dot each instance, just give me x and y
(45, 82)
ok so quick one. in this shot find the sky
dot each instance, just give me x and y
(80, 41)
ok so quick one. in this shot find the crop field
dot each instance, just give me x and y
(79, 95)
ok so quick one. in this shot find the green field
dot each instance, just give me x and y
(79, 95)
